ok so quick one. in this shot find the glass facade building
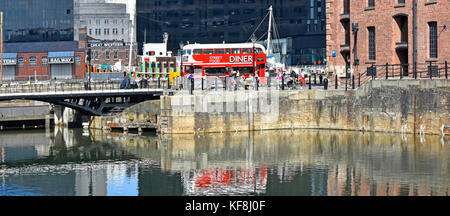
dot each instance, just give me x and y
(37, 20)
(215, 21)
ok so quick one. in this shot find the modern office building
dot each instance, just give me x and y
(365, 33)
(215, 21)
(37, 21)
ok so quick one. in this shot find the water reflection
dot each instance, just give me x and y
(299, 162)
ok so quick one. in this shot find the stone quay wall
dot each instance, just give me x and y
(405, 106)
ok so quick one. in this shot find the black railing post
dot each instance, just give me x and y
(192, 86)
(415, 70)
(159, 81)
(315, 76)
(359, 80)
(168, 82)
(387, 70)
(374, 73)
(257, 84)
(336, 82)
(202, 83)
(282, 82)
(430, 69)
(225, 86)
(346, 78)
(401, 71)
(353, 81)
(446, 73)
(215, 83)
(309, 82)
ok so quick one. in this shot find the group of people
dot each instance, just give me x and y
(294, 78)
(130, 83)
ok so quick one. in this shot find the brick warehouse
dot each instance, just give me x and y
(43, 60)
(384, 33)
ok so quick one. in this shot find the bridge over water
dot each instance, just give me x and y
(102, 99)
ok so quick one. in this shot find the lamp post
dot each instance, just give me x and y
(181, 59)
(253, 39)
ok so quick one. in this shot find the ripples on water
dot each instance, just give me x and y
(299, 162)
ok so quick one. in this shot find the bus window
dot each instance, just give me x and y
(236, 51)
(246, 50)
(207, 51)
(219, 51)
(197, 51)
(259, 50)
(189, 52)
(227, 50)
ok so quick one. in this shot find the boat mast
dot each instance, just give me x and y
(269, 31)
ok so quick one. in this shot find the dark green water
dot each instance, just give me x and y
(300, 163)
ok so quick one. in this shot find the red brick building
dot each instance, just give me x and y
(365, 32)
(43, 60)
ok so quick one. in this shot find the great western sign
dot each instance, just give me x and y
(9, 61)
(60, 60)
(108, 44)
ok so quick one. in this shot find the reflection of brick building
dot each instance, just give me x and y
(384, 33)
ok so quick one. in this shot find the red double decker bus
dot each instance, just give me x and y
(220, 59)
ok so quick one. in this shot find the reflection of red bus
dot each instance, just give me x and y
(221, 59)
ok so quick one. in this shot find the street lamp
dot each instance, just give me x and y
(253, 39)
(181, 59)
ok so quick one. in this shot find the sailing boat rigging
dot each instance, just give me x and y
(273, 47)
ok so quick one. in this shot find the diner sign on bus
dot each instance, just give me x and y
(241, 59)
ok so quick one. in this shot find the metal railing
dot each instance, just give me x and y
(430, 70)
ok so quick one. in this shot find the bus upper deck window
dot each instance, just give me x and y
(227, 50)
(219, 51)
(259, 50)
(207, 51)
(189, 52)
(247, 51)
(197, 51)
(236, 51)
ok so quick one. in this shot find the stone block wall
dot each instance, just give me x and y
(411, 106)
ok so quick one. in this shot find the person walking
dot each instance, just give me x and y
(303, 78)
(294, 77)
